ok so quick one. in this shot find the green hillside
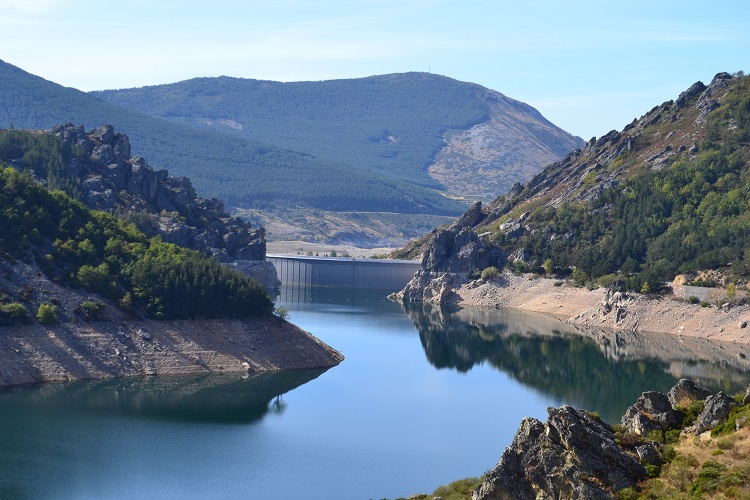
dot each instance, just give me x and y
(393, 122)
(240, 171)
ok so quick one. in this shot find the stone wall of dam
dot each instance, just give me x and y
(338, 272)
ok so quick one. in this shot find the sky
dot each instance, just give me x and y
(587, 66)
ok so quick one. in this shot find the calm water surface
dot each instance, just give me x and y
(424, 397)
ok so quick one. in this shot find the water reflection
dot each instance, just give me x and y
(225, 399)
(596, 369)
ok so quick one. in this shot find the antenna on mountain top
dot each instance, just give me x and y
(429, 69)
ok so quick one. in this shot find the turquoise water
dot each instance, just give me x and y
(424, 397)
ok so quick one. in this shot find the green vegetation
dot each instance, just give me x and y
(247, 173)
(457, 490)
(12, 313)
(689, 215)
(92, 310)
(46, 314)
(42, 153)
(106, 255)
(490, 273)
(390, 123)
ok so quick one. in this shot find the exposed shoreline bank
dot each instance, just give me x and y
(97, 350)
(597, 308)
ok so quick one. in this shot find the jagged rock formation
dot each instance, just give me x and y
(574, 455)
(652, 411)
(453, 252)
(113, 181)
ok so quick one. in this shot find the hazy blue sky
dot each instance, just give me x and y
(588, 66)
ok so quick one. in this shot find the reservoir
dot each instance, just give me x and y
(425, 396)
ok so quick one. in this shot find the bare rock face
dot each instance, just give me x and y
(716, 409)
(686, 392)
(652, 411)
(450, 256)
(572, 455)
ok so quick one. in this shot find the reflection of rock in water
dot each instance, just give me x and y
(599, 369)
(229, 398)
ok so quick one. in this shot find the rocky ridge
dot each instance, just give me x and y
(670, 131)
(575, 455)
(114, 181)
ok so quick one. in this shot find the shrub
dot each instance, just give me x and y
(490, 273)
(693, 299)
(14, 313)
(92, 311)
(580, 277)
(46, 314)
(630, 439)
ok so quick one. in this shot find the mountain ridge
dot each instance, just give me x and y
(636, 207)
(397, 123)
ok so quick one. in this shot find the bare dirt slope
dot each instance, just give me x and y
(108, 349)
(632, 312)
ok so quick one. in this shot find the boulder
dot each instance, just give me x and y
(572, 455)
(715, 410)
(686, 392)
(652, 411)
(649, 454)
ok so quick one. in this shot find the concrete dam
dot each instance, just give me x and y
(337, 272)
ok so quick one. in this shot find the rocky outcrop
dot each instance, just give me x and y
(715, 410)
(450, 256)
(575, 455)
(686, 392)
(572, 455)
(652, 411)
(113, 181)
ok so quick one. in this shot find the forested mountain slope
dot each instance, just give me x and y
(239, 171)
(427, 129)
(668, 194)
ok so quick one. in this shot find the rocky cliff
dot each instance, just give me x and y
(576, 455)
(112, 180)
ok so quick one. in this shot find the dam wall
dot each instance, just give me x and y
(341, 272)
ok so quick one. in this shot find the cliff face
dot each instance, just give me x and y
(111, 180)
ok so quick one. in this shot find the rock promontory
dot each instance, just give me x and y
(576, 455)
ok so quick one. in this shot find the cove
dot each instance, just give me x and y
(425, 396)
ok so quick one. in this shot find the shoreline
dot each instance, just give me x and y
(113, 349)
(597, 308)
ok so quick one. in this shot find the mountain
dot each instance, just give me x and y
(666, 195)
(430, 130)
(240, 171)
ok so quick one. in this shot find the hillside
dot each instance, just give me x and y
(666, 195)
(427, 129)
(240, 171)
